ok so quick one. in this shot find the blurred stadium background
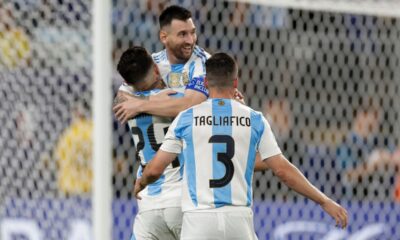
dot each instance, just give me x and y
(325, 73)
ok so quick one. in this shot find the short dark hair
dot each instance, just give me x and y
(221, 70)
(173, 12)
(134, 64)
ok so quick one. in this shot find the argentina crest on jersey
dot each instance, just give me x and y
(180, 75)
(177, 78)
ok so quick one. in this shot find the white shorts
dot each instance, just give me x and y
(158, 224)
(232, 224)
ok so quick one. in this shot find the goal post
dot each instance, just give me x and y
(102, 120)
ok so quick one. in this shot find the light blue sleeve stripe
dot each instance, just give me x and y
(257, 127)
(164, 55)
(191, 70)
(200, 53)
(222, 195)
(184, 130)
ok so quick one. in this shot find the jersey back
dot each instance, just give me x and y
(219, 138)
(148, 133)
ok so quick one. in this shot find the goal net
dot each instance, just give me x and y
(324, 73)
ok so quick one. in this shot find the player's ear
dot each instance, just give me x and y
(163, 36)
(235, 82)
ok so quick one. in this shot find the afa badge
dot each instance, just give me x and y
(185, 78)
(174, 80)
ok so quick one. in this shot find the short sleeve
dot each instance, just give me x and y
(172, 143)
(268, 146)
(126, 88)
(197, 84)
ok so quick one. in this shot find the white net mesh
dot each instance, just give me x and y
(45, 156)
(327, 79)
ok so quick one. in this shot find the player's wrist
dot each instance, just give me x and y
(323, 200)
(142, 97)
(142, 184)
(142, 107)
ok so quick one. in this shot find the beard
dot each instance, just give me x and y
(182, 52)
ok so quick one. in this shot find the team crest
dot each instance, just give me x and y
(174, 80)
(185, 78)
(221, 103)
(178, 79)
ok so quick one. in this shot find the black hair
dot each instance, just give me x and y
(173, 12)
(221, 70)
(134, 64)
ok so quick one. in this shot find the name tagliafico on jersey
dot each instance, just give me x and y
(222, 121)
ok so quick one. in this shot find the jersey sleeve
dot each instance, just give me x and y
(197, 84)
(197, 73)
(268, 145)
(126, 88)
(172, 142)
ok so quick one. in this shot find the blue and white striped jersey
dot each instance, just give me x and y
(148, 133)
(181, 76)
(184, 76)
(219, 139)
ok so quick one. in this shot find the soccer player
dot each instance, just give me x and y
(159, 215)
(181, 66)
(219, 139)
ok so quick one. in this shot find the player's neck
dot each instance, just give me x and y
(221, 93)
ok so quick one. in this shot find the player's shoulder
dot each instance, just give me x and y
(252, 112)
(200, 53)
(160, 56)
(240, 105)
(188, 113)
(148, 93)
(202, 105)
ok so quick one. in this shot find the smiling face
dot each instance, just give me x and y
(179, 38)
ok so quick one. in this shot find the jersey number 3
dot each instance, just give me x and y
(225, 158)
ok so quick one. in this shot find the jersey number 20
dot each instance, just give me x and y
(152, 139)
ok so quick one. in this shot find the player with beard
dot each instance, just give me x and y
(181, 66)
